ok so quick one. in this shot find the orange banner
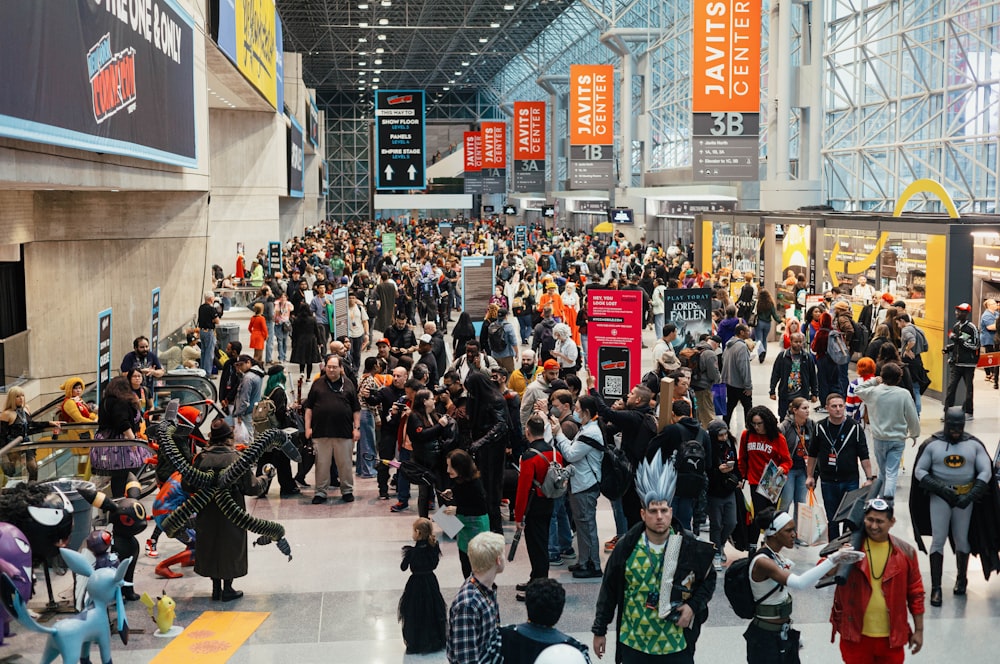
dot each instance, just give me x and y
(726, 56)
(529, 130)
(591, 104)
(494, 144)
(473, 144)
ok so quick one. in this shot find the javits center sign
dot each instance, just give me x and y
(113, 76)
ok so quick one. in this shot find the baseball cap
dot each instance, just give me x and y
(716, 338)
(383, 341)
(549, 365)
(426, 339)
(963, 307)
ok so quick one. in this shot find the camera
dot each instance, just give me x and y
(439, 390)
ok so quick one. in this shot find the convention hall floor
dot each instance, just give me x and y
(336, 600)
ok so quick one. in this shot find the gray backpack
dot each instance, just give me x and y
(556, 481)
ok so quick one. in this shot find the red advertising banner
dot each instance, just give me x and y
(726, 57)
(529, 130)
(494, 144)
(591, 104)
(614, 340)
(473, 142)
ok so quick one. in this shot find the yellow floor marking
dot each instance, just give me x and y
(212, 639)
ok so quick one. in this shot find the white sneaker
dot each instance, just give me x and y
(718, 562)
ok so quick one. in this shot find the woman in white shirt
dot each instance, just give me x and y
(566, 351)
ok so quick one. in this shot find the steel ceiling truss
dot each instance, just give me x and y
(912, 90)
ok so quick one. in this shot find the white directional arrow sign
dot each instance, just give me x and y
(388, 172)
(412, 170)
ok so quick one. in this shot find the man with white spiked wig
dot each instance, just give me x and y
(658, 580)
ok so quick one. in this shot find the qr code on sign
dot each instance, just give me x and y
(613, 386)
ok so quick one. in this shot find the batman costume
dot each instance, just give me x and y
(954, 497)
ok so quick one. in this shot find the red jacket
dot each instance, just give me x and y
(533, 467)
(901, 585)
(756, 450)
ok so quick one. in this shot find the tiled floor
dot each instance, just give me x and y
(336, 600)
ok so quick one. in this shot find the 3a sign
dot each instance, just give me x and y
(529, 145)
(400, 140)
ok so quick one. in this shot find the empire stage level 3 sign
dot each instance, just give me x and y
(400, 140)
(614, 340)
(725, 89)
(591, 126)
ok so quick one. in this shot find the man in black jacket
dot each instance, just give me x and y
(631, 584)
(385, 401)
(669, 443)
(793, 375)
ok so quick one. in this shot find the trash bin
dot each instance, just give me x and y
(82, 510)
(226, 332)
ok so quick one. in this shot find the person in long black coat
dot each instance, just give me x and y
(220, 546)
(305, 341)
(490, 439)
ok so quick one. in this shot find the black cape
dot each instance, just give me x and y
(984, 529)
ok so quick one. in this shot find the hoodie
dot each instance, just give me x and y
(736, 365)
(74, 409)
(248, 395)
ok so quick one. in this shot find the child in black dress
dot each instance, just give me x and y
(422, 610)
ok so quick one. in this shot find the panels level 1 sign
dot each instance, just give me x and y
(726, 158)
(591, 167)
(400, 140)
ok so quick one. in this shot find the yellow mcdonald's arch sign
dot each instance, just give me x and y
(923, 186)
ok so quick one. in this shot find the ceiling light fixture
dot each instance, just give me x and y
(378, 71)
(508, 7)
(378, 61)
(374, 87)
(381, 37)
(465, 63)
(362, 5)
(380, 50)
(375, 79)
(383, 21)
(494, 24)
(446, 88)
(362, 40)
(362, 64)
(363, 24)
(387, 3)
(483, 40)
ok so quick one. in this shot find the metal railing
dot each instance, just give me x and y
(14, 359)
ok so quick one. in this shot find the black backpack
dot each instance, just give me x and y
(737, 586)
(546, 343)
(690, 464)
(862, 337)
(616, 469)
(497, 338)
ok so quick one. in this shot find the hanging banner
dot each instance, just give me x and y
(472, 145)
(256, 50)
(478, 275)
(108, 77)
(529, 146)
(726, 56)
(591, 126)
(691, 310)
(273, 258)
(154, 327)
(312, 122)
(521, 236)
(296, 160)
(103, 352)
(400, 140)
(614, 340)
(494, 169)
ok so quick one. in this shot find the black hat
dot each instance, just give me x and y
(276, 369)
(221, 432)
(245, 358)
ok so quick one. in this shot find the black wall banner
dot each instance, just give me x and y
(312, 121)
(103, 351)
(114, 76)
(154, 328)
(296, 160)
(273, 258)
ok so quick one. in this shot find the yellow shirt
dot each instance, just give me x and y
(876, 620)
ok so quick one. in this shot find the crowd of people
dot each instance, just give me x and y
(453, 399)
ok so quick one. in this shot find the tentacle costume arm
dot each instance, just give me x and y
(194, 477)
(269, 531)
(264, 441)
(178, 519)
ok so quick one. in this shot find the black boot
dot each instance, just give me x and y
(216, 589)
(937, 564)
(961, 581)
(228, 592)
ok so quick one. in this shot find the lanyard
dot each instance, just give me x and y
(843, 443)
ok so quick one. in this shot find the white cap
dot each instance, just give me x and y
(561, 653)
(426, 339)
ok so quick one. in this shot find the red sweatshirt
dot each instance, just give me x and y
(533, 467)
(756, 450)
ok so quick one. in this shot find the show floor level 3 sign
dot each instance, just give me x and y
(400, 140)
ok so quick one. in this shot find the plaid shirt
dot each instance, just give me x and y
(474, 621)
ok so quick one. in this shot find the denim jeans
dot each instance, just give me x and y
(621, 525)
(658, 320)
(366, 446)
(683, 510)
(524, 322)
(794, 492)
(207, 340)
(888, 454)
(761, 332)
(833, 493)
(282, 338)
(560, 534)
(269, 343)
(916, 397)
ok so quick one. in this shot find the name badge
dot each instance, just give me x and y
(831, 460)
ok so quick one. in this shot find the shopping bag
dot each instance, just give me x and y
(812, 524)
(241, 436)
(740, 538)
